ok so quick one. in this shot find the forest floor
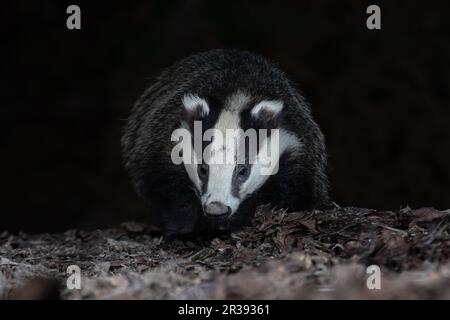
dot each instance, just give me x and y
(304, 255)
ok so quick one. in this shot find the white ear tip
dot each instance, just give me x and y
(191, 102)
(273, 107)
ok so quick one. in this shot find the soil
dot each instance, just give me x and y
(303, 255)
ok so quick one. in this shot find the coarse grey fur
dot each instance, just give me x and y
(301, 182)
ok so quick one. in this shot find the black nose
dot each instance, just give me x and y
(217, 208)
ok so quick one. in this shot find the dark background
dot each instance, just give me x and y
(381, 97)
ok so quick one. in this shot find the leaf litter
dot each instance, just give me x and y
(302, 255)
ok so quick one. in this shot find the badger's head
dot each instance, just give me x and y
(231, 149)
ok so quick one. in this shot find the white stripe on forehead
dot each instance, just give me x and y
(237, 101)
(229, 119)
(220, 174)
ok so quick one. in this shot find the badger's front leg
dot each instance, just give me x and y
(179, 218)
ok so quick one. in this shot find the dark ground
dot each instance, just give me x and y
(311, 255)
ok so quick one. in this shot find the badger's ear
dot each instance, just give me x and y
(267, 113)
(194, 108)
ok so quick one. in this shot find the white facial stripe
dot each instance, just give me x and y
(191, 102)
(237, 101)
(228, 119)
(287, 141)
(221, 175)
(220, 186)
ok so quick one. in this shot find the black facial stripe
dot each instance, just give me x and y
(204, 183)
(237, 180)
(235, 186)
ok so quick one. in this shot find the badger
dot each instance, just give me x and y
(218, 91)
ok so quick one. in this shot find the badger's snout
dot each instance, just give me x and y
(217, 208)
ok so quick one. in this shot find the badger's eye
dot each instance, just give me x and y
(243, 172)
(202, 170)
